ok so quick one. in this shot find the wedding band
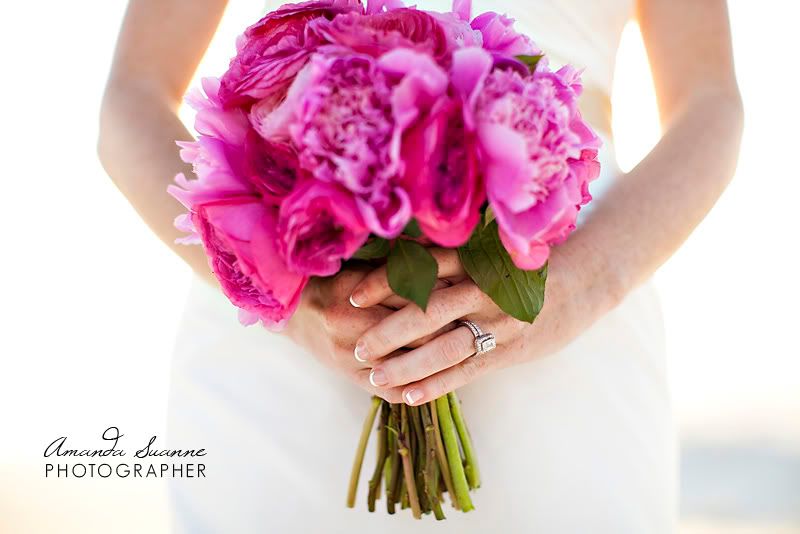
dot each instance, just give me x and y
(483, 342)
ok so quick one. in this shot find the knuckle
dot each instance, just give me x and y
(451, 350)
(394, 375)
(377, 340)
(438, 386)
(437, 308)
(473, 295)
(476, 366)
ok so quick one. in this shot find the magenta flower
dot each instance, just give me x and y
(499, 36)
(383, 31)
(346, 114)
(271, 52)
(442, 172)
(271, 167)
(442, 176)
(538, 156)
(319, 226)
(217, 156)
(458, 32)
(240, 239)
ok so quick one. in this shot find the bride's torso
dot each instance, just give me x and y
(586, 429)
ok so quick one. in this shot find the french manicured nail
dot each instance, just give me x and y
(360, 352)
(357, 298)
(412, 396)
(377, 378)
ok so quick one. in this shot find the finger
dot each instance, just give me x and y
(427, 339)
(411, 323)
(399, 302)
(374, 288)
(450, 379)
(442, 353)
(392, 395)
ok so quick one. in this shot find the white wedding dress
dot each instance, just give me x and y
(579, 442)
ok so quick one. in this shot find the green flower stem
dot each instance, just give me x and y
(441, 456)
(450, 437)
(408, 466)
(375, 481)
(471, 464)
(393, 483)
(431, 465)
(366, 430)
(395, 474)
(420, 457)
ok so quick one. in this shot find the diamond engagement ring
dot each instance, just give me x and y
(483, 342)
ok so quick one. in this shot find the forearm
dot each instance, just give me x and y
(138, 129)
(648, 213)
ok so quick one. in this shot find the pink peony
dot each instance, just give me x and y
(320, 226)
(381, 32)
(239, 236)
(499, 36)
(442, 173)
(271, 167)
(538, 156)
(271, 52)
(442, 176)
(217, 156)
(346, 114)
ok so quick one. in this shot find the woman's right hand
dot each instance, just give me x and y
(328, 325)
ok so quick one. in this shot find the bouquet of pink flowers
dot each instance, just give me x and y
(343, 133)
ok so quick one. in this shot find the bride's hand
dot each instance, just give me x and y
(446, 362)
(328, 326)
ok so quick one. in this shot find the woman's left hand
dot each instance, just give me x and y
(448, 361)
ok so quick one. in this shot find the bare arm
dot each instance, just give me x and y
(652, 210)
(159, 48)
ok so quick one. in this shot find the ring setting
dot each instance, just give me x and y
(484, 342)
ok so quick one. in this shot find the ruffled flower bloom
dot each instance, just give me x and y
(239, 236)
(442, 172)
(376, 34)
(227, 215)
(217, 157)
(346, 114)
(500, 37)
(271, 52)
(272, 168)
(319, 226)
(538, 157)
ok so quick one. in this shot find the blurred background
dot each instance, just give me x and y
(81, 272)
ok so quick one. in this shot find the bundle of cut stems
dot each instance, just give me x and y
(422, 452)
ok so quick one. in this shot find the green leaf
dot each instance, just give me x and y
(412, 229)
(531, 61)
(488, 216)
(412, 271)
(373, 249)
(518, 293)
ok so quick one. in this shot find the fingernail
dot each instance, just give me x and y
(360, 352)
(377, 378)
(412, 396)
(357, 298)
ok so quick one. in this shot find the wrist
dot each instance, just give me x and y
(584, 280)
